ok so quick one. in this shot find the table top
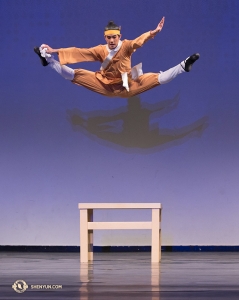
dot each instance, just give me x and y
(119, 205)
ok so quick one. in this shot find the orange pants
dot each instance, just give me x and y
(142, 84)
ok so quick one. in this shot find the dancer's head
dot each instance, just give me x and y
(112, 34)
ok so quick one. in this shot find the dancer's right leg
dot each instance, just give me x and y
(48, 59)
(64, 71)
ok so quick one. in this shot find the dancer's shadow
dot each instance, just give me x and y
(128, 128)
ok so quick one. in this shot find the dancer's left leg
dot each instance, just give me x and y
(184, 66)
(150, 80)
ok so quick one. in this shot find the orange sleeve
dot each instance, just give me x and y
(139, 41)
(74, 55)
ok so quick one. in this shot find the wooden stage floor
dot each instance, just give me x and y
(179, 276)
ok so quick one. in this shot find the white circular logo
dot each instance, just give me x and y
(20, 286)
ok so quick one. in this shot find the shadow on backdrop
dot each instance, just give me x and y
(128, 128)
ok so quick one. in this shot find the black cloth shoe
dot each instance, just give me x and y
(190, 61)
(43, 60)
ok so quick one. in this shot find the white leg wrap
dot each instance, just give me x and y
(170, 74)
(64, 71)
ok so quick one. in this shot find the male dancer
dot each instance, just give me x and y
(115, 78)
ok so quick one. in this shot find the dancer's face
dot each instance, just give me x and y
(112, 40)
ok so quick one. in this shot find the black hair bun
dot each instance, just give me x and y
(111, 25)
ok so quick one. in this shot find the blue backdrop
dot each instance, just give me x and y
(176, 144)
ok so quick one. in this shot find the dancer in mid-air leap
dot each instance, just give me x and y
(115, 78)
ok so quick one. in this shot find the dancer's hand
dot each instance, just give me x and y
(49, 49)
(159, 27)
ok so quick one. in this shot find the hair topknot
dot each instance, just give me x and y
(111, 25)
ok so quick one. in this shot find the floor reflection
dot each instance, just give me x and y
(155, 280)
(119, 277)
(179, 276)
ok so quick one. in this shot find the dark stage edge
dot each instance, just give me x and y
(100, 249)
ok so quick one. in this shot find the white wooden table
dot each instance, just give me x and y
(87, 226)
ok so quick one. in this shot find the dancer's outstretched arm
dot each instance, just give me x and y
(74, 55)
(49, 49)
(139, 41)
(158, 28)
(152, 32)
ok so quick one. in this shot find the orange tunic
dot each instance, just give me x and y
(109, 81)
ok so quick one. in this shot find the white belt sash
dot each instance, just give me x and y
(136, 71)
